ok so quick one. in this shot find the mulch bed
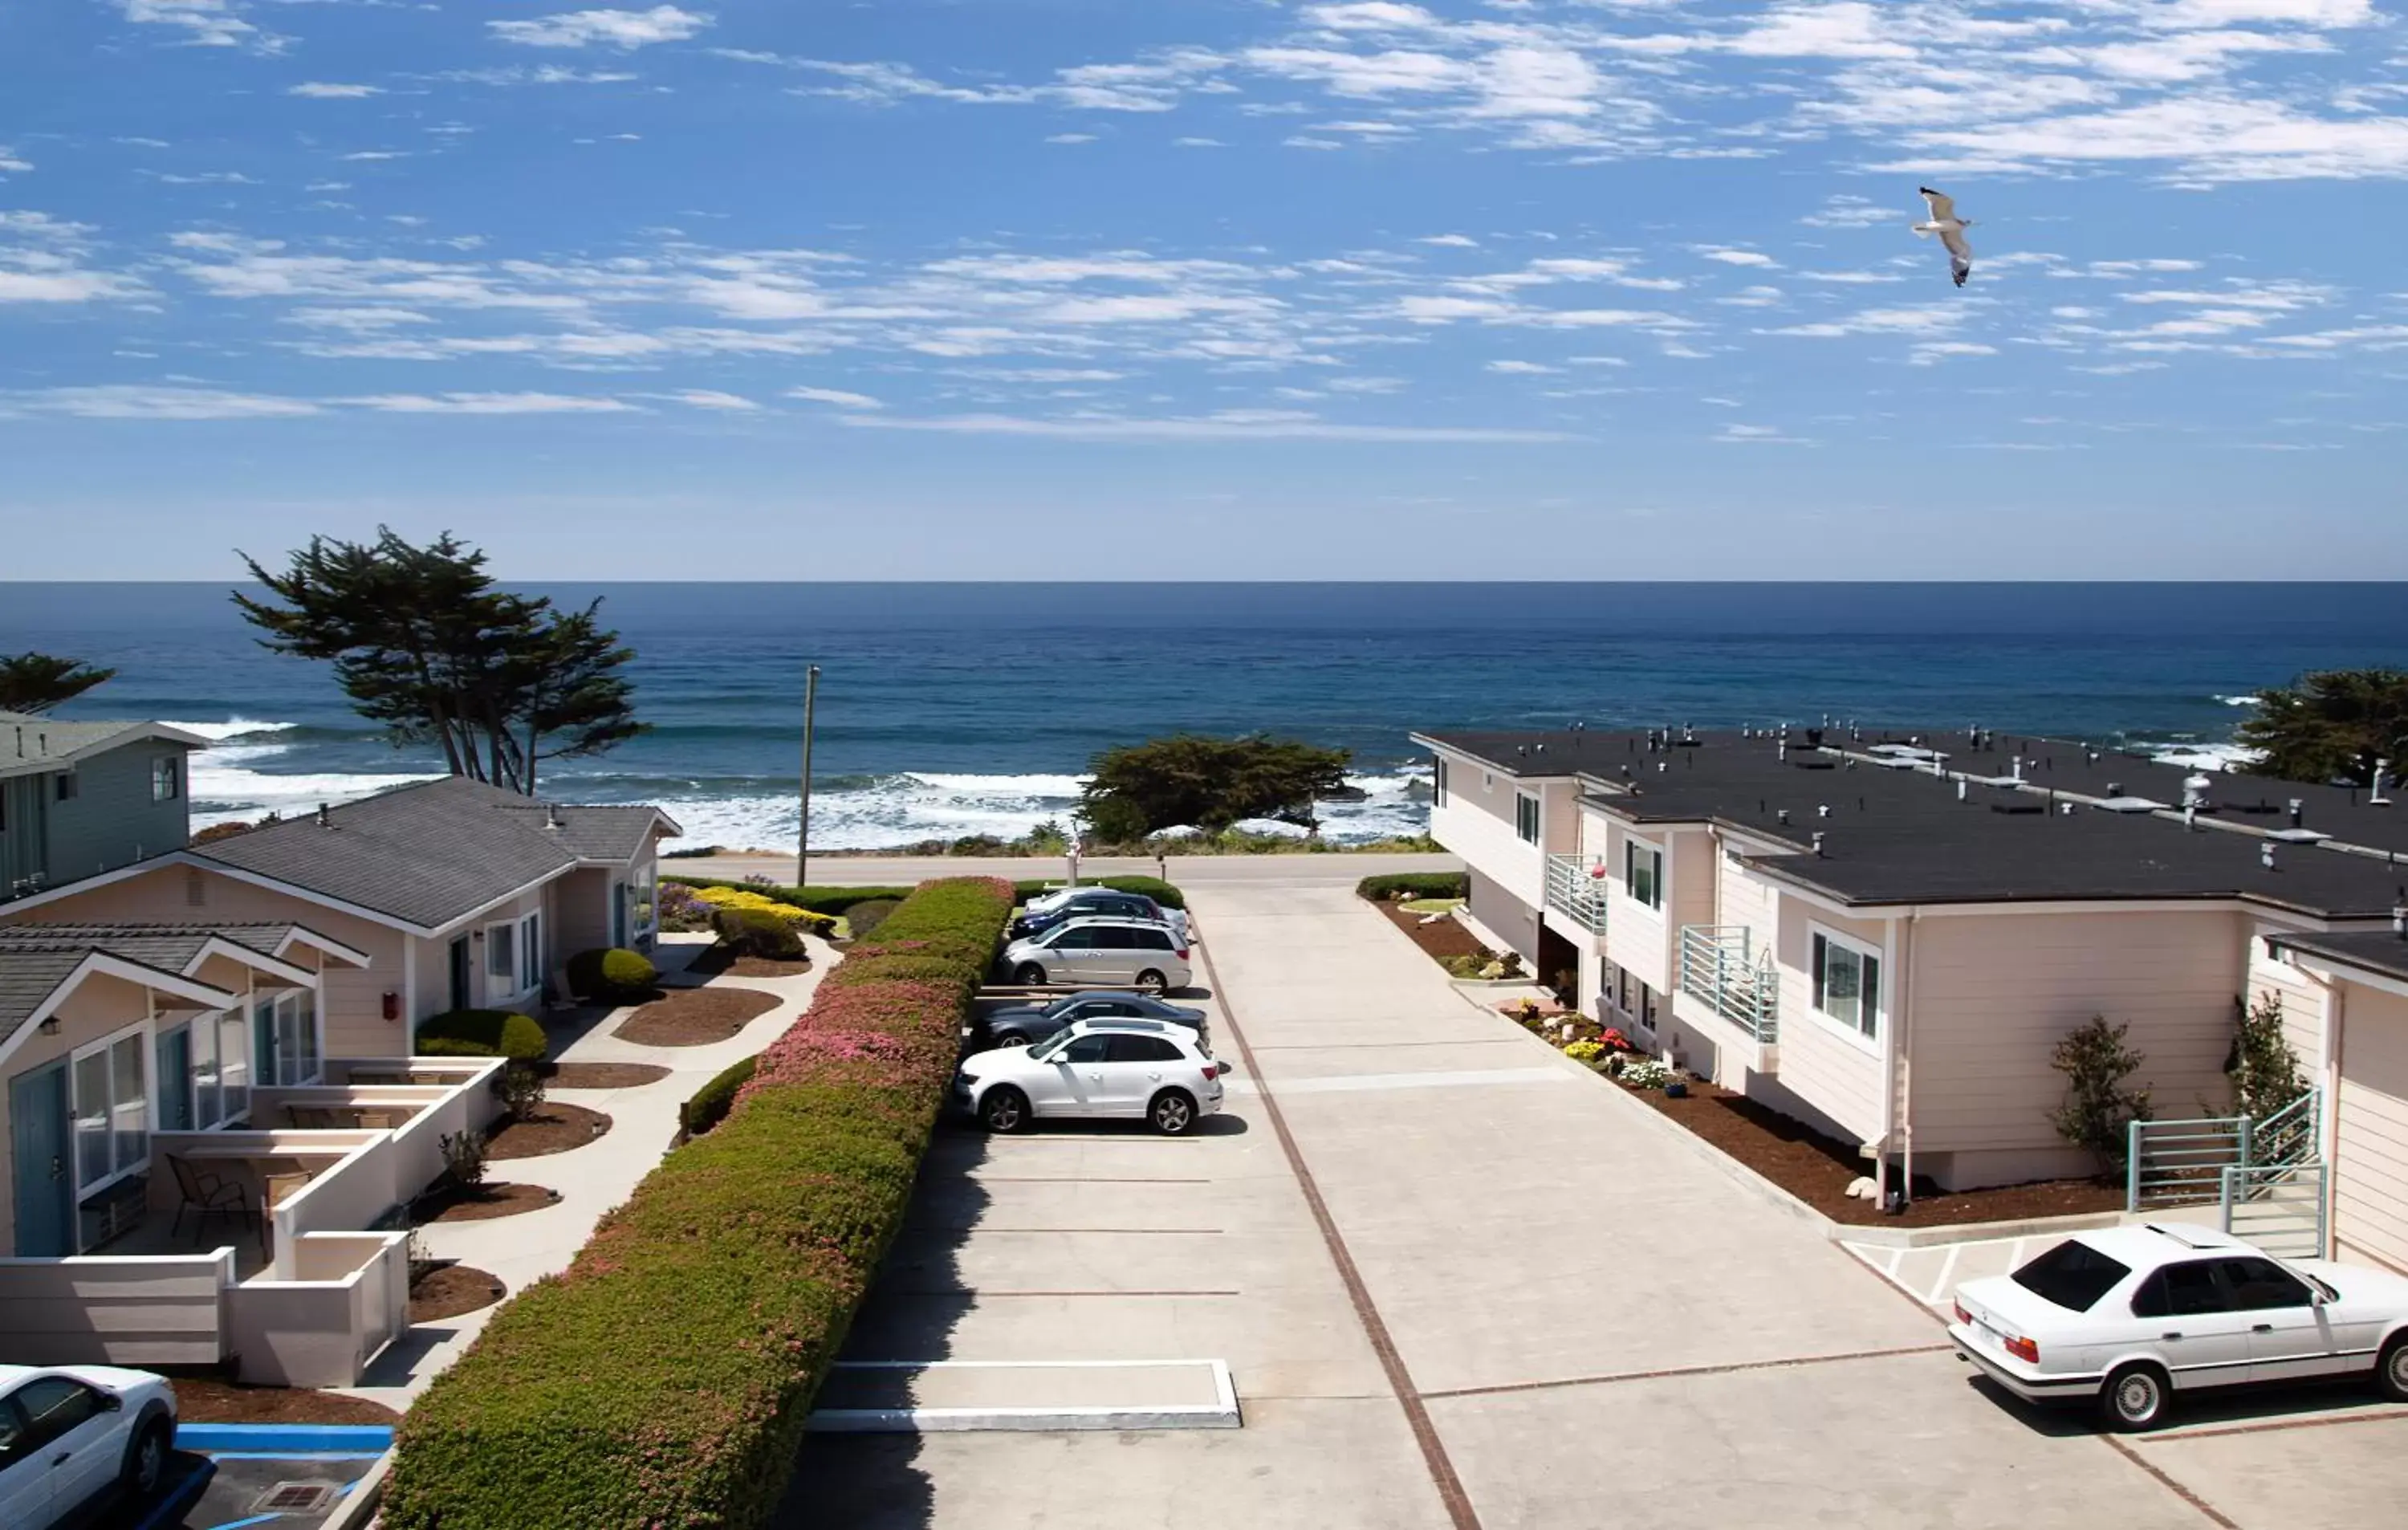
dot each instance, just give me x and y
(1442, 937)
(201, 1399)
(718, 961)
(449, 1290)
(696, 1018)
(604, 1075)
(449, 1203)
(1817, 1168)
(554, 1127)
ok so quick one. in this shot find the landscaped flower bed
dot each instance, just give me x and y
(665, 1377)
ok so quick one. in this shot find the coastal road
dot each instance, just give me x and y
(1188, 871)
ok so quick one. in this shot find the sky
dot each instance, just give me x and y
(1207, 288)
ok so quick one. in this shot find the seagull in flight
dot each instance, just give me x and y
(1951, 229)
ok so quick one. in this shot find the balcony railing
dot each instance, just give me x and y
(1719, 966)
(1575, 894)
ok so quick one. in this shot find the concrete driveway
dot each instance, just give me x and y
(1461, 1281)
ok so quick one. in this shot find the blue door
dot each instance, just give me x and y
(38, 1118)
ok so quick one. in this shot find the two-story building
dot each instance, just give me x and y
(1886, 940)
(80, 799)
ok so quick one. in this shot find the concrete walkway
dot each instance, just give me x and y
(591, 1180)
(1188, 871)
(1602, 1325)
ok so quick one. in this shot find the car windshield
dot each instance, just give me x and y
(1047, 1048)
(2073, 1275)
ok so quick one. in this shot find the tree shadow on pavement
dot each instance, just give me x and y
(849, 1482)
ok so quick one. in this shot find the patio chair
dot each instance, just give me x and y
(373, 1120)
(309, 1117)
(206, 1192)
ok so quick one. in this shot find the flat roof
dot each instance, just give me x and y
(2383, 951)
(1895, 832)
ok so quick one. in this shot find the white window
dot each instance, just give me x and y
(1642, 872)
(112, 1101)
(645, 890)
(531, 958)
(69, 788)
(501, 958)
(166, 778)
(1438, 784)
(1847, 983)
(1526, 817)
(233, 1064)
(297, 1038)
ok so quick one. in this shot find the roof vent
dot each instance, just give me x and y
(1783, 817)
(552, 815)
(325, 820)
(2266, 853)
(2399, 922)
(2374, 797)
(2065, 808)
(2299, 811)
(1961, 792)
(1818, 842)
(2130, 805)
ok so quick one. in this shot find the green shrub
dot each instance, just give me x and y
(749, 932)
(1417, 884)
(662, 1380)
(709, 1105)
(482, 1032)
(1155, 888)
(611, 974)
(863, 919)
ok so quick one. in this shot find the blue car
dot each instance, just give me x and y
(1021, 1024)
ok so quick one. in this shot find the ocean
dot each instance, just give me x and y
(954, 709)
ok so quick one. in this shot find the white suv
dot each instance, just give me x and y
(2125, 1316)
(1136, 953)
(1098, 1069)
(74, 1435)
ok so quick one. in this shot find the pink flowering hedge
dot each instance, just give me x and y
(662, 1380)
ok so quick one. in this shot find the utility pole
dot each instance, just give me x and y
(803, 835)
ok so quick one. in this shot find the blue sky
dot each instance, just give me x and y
(1208, 288)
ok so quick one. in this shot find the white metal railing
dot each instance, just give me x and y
(1720, 966)
(1572, 891)
(2167, 1163)
(2278, 1206)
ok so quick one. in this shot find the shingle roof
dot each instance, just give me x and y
(2376, 951)
(34, 959)
(434, 851)
(29, 743)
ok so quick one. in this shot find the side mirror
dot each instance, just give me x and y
(112, 1403)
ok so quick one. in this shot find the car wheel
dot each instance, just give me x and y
(145, 1460)
(1011, 1039)
(2134, 1398)
(1151, 981)
(2391, 1369)
(1172, 1112)
(1029, 975)
(1004, 1109)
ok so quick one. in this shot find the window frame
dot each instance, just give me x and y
(502, 936)
(1528, 806)
(166, 778)
(145, 1050)
(69, 787)
(1438, 784)
(1820, 942)
(1632, 849)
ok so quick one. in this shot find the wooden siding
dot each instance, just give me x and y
(2370, 1193)
(1636, 937)
(1993, 995)
(1829, 1067)
(111, 821)
(1477, 823)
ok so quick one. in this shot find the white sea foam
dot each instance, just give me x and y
(232, 727)
(2206, 756)
(2238, 701)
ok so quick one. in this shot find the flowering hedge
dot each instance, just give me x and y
(663, 1378)
(749, 901)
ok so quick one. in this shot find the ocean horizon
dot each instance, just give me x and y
(956, 708)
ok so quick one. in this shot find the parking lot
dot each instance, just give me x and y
(224, 1476)
(1457, 1281)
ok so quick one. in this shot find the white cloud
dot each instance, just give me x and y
(63, 286)
(1754, 258)
(1072, 138)
(1197, 143)
(706, 398)
(1738, 434)
(619, 28)
(836, 396)
(489, 404)
(11, 163)
(1225, 425)
(205, 24)
(136, 402)
(1518, 368)
(1849, 212)
(1459, 241)
(319, 89)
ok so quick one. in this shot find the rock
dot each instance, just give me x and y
(1861, 1188)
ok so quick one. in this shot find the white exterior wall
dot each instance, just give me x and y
(1636, 935)
(1476, 822)
(1994, 993)
(2369, 1165)
(1825, 1064)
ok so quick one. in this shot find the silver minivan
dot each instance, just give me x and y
(1116, 953)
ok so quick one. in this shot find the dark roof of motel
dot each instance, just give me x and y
(34, 959)
(2383, 950)
(33, 742)
(434, 851)
(1896, 834)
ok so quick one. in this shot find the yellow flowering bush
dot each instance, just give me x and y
(751, 902)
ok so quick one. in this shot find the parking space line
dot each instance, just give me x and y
(1675, 1371)
(983, 1295)
(1092, 1179)
(1947, 1271)
(1382, 1082)
(2118, 1444)
(1450, 1493)
(2175, 1436)
(1147, 1232)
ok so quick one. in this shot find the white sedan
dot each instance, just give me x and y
(1147, 1070)
(2125, 1317)
(72, 1435)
